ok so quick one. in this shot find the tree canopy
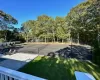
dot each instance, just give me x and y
(84, 19)
(6, 20)
(7, 30)
(45, 28)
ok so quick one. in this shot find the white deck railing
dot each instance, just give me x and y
(8, 74)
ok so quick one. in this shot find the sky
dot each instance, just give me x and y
(24, 10)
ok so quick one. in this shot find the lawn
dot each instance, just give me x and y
(59, 69)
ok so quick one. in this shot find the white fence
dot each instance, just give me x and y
(8, 74)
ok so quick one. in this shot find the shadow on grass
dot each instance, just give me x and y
(59, 69)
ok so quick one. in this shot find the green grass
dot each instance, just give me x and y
(59, 69)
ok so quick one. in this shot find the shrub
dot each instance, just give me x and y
(96, 53)
(2, 40)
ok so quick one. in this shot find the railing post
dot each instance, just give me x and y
(2, 77)
(6, 77)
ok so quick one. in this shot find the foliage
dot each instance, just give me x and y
(6, 24)
(2, 40)
(84, 20)
(10, 36)
(6, 20)
(45, 28)
(96, 52)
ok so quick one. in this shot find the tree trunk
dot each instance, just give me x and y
(57, 39)
(27, 38)
(69, 37)
(5, 36)
(98, 36)
(54, 39)
(62, 40)
(78, 38)
(45, 39)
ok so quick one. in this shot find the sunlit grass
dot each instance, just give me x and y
(59, 68)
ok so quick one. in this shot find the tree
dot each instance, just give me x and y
(26, 28)
(6, 22)
(45, 29)
(84, 19)
(46, 23)
(61, 28)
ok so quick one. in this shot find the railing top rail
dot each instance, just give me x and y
(18, 75)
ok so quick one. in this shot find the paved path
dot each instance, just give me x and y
(44, 49)
(17, 60)
(51, 48)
